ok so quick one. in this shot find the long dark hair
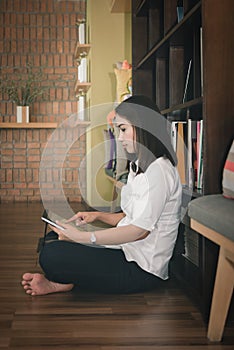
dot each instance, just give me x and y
(152, 138)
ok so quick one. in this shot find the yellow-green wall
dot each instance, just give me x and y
(110, 38)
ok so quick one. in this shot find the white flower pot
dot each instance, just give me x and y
(22, 114)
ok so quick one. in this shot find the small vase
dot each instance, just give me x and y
(22, 114)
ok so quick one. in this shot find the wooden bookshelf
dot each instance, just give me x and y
(162, 48)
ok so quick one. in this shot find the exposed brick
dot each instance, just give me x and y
(29, 177)
(55, 107)
(22, 177)
(9, 176)
(20, 198)
(19, 159)
(28, 192)
(52, 20)
(20, 145)
(18, 165)
(16, 136)
(20, 185)
(6, 186)
(13, 192)
(50, 6)
(33, 158)
(2, 175)
(20, 151)
(26, 23)
(3, 194)
(36, 135)
(7, 152)
(33, 185)
(6, 165)
(36, 175)
(34, 165)
(44, 33)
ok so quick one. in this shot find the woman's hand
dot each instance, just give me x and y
(87, 217)
(70, 233)
(82, 218)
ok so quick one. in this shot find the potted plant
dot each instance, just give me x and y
(23, 89)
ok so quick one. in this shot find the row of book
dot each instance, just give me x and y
(187, 141)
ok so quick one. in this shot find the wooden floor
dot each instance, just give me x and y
(164, 319)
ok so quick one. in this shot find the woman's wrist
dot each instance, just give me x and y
(93, 238)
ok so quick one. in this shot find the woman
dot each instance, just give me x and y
(144, 233)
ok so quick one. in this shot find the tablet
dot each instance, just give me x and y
(52, 223)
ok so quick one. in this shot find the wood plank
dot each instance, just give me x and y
(28, 125)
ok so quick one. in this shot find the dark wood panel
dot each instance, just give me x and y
(218, 88)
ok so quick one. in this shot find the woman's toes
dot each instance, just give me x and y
(28, 276)
(28, 291)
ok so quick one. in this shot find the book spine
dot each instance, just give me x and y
(189, 155)
(180, 152)
(180, 10)
(201, 60)
(187, 80)
(200, 157)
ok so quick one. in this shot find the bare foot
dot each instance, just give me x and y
(38, 284)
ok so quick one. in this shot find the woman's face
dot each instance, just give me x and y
(126, 134)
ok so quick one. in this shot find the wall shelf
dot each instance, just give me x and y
(36, 125)
(28, 125)
(82, 87)
(81, 48)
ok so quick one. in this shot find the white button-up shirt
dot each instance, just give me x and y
(152, 201)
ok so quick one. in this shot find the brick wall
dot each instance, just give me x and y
(21, 155)
(44, 33)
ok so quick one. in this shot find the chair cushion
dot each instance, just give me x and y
(215, 212)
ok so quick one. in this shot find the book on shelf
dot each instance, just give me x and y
(180, 10)
(181, 152)
(191, 152)
(176, 74)
(174, 125)
(187, 81)
(187, 142)
(201, 60)
(177, 134)
(199, 154)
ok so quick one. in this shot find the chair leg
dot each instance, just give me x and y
(223, 289)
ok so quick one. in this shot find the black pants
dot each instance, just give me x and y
(91, 268)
